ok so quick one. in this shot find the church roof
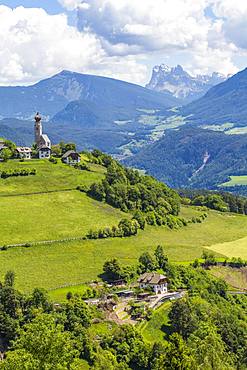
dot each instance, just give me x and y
(44, 147)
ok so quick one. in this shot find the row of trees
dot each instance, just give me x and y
(18, 172)
(221, 201)
(130, 227)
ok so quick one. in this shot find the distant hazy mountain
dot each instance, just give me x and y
(193, 157)
(51, 95)
(224, 103)
(180, 83)
(91, 110)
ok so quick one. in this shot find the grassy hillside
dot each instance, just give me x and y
(236, 278)
(76, 262)
(232, 249)
(235, 180)
(155, 330)
(49, 177)
(68, 214)
(28, 216)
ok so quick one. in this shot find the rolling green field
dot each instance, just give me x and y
(50, 216)
(77, 262)
(69, 214)
(236, 180)
(49, 177)
(155, 329)
(232, 249)
(236, 278)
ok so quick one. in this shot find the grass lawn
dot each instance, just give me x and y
(78, 262)
(52, 216)
(49, 216)
(236, 180)
(235, 248)
(155, 329)
(59, 295)
(49, 177)
(235, 278)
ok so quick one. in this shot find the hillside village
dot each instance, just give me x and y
(42, 147)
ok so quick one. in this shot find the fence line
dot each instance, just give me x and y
(38, 242)
(36, 193)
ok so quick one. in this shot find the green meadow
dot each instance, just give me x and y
(49, 177)
(70, 214)
(156, 328)
(77, 262)
(236, 180)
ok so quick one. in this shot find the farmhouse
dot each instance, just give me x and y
(42, 140)
(71, 157)
(23, 152)
(153, 280)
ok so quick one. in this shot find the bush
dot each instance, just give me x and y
(16, 173)
(53, 160)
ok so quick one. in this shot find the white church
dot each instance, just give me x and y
(42, 140)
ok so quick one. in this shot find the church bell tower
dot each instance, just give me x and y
(37, 128)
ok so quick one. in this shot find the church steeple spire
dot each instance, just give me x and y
(37, 128)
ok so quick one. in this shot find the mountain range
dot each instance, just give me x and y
(194, 158)
(181, 84)
(224, 105)
(181, 145)
(91, 110)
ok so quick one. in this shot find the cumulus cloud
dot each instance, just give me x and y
(34, 45)
(147, 25)
(74, 4)
(118, 38)
(234, 15)
(135, 27)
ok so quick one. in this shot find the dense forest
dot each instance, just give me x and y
(207, 328)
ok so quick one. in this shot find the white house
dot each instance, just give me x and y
(24, 152)
(44, 152)
(153, 280)
(71, 157)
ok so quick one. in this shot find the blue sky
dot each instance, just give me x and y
(120, 38)
(51, 6)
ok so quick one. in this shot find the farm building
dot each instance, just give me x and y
(153, 280)
(23, 152)
(71, 157)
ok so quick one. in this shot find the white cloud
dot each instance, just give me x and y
(136, 27)
(74, 4)
(234, 15)
(118, 38)
(34, 45)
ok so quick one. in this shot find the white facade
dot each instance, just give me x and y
(72, 161)
(44, 153)
(155, 281)
(24, 152)
(157, 288)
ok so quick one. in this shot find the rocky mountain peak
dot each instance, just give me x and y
(180, 83)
